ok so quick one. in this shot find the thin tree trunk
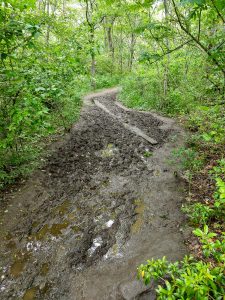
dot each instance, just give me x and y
(105, 33)
(108, 29)
(64, 7)
(39, 4)
(93, 62)
(132, 45)
(121, 51)
(91, 25)
(48, 26)
(110, 42)
(166, 71)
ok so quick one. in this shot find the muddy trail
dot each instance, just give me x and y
(104, 201)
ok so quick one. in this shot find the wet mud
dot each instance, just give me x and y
(103, 202)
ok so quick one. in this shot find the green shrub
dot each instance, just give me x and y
(188, 159)
(209, 122)
(106, 80)
(219, 169)
(198, 213)
(212, 248)
(141, 91)
(190, 278)
(144, 89)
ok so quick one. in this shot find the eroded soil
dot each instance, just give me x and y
(105, 201)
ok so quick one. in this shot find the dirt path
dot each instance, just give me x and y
(105, 201)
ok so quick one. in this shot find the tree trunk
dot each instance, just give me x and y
(91, 25)
(108, 29)
(110, 42)
(93, 62)
(121, 51)
(132, 45)
(48, 26)
(166, 70)
(64, 7)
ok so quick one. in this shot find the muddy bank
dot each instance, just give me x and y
(104, 202)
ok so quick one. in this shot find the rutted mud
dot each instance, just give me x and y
(104, 201)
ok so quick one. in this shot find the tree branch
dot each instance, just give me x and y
(203, 47)
(218, 12)
(172, 50)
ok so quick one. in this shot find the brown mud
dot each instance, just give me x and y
(104, 201)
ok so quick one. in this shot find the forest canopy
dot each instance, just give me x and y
(168, 56)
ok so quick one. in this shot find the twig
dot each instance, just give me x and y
(170, 51)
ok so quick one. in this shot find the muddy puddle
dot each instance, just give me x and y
(80, 226)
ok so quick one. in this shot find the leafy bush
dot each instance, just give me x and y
(141, 91)
(212, 248)
(188, 159)
(144, 89)
(190, 279)
(219, 169)
(219, 195)
(209, 122)
(106, 80)
(38, 96)
(202, 213)
(198, 213)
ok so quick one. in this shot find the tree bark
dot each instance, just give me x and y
(91, 25)
(48, 26)
(166, 71)
(132, 45)
(121, 51)
(64, 7)
(93, 62)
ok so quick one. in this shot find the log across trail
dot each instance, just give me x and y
(105, 201)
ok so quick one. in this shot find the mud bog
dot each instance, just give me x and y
(105, 201)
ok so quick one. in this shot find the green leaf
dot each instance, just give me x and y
(3, 56)
(198, 232)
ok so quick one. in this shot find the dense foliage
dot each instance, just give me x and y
(168, 56)
(180, 72)
(44, 58)
(36, 82)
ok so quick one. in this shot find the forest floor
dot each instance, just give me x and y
(103, 202)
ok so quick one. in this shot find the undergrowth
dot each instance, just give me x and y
(201, 274)
(23, 142)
